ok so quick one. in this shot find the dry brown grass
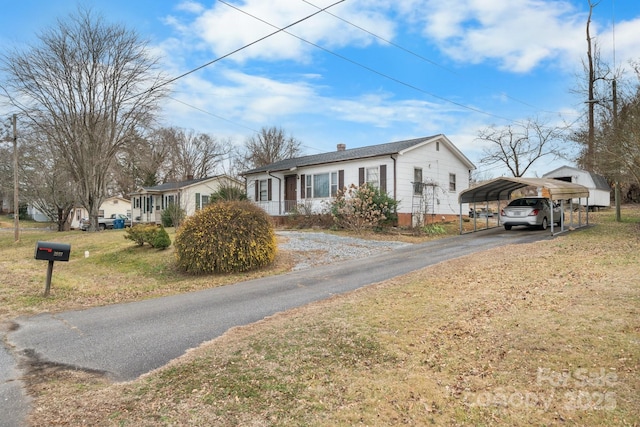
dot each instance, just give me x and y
(540, 334)
(115, 271)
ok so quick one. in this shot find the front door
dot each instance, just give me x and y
(290, 192)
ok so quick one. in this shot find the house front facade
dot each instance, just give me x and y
(424, 175)
(148, 203)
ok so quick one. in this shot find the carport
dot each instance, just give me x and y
(500, 189)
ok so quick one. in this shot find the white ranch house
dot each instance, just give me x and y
(424, 175)
(148, 203)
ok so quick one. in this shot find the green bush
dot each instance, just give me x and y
(224, 237)
(364, 207)
(172, 216)
(161, 239)
(142, 233)
(434, 229)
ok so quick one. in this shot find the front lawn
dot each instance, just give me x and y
(539, 334)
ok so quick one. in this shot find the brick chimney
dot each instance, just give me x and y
(342, 147)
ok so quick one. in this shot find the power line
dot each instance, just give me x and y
(211, 114)
(417, 55)
(234, 51)
(228, 120)
(344, 58)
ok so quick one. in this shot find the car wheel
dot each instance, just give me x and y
(102, 227)
(544, 223)
(507, 227)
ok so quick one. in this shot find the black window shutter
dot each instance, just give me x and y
(360, 176)
(303, 186)
(269, 189)
(257, 190)
(383, 178)
(341, 180)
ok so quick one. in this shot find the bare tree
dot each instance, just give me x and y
(6, 162)
(88, 86)
(618, 135)
(193, 154)
(46, 184)
(518, 147)
(141, 162)
(270, 145)
(590, 157)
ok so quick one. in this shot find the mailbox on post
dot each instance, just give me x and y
(50, 251)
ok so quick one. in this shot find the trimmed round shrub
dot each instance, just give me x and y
(225, 237)
(161, 240)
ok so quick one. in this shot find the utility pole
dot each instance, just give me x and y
(591, 161)
(16, 209)
(616, 190)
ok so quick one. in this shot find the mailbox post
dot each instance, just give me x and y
(50, 251)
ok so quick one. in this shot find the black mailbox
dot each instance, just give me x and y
(50, 251)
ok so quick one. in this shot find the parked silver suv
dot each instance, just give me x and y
(530, 211)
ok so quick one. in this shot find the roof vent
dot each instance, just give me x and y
(342, 147)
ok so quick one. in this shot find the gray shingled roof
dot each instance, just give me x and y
(173, 185)
(341, 156)
(600, 182)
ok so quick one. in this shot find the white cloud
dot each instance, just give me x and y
(625, 37)
(224, 29)
(190, 6)
(255, 101)
(519, 34)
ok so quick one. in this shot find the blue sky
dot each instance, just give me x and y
(368, 71)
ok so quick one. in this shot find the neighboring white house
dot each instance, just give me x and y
(36, 214)
(148, 203)
(424, 175)
(599, 189)
(112, 205)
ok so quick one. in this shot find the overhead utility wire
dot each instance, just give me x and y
(236, 50)
(409, 85)
(410, 52)
(211, 114)
(231, 121)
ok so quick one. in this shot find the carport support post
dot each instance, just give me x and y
(552, 219)
(571, 212)
(47, 286)
(487, 208)
(475, 217)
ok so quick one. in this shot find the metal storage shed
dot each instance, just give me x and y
(501, 188)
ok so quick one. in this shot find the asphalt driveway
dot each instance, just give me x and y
(126, 340)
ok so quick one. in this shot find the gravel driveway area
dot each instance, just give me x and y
(310, 249)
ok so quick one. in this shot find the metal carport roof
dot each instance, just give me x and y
(501, 189)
